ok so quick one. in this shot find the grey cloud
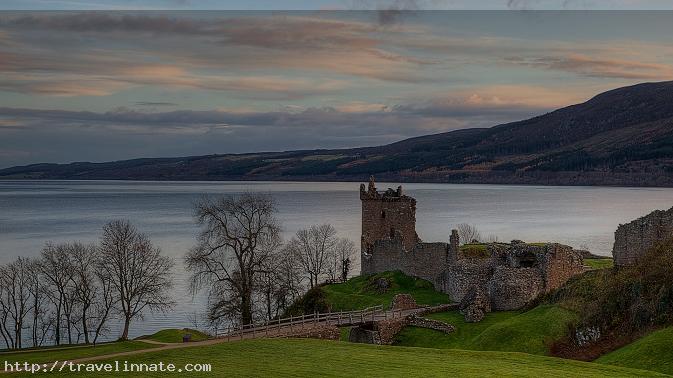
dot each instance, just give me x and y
(148, 103)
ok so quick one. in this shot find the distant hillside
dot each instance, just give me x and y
(620, 137)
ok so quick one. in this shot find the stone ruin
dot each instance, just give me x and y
(504, 277)
(635, 238)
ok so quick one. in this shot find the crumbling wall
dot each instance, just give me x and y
(512, 288)
(425, 260)
(558, 264)
(633, 239)
(464, 274)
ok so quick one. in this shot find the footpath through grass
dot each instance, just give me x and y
(51, 354)
(311, 358)
(652, 352)
(529, 332)
(361, 292)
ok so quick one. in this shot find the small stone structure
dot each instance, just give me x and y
(507, 276)
(633, 239)
(403, 302)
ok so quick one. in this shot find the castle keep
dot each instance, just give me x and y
(496, 276)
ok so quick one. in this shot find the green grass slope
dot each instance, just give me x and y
(599, 263)
(173, 335)
(652, 352)
(311, 358)
(56, 354)
(360, 292)
(529, 332)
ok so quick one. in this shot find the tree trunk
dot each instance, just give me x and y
(246, 308)
(84, 328)
(125, 333)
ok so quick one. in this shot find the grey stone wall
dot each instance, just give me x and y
(512, 288)
(633, 239)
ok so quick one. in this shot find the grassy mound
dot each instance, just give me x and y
(361, 292)
(530, 332)
(311, 358)
(366, 291)
(599, 263)
(173, 335)
(652, 352)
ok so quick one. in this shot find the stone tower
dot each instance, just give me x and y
(387, 215)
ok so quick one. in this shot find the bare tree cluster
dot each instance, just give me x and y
(247, 269)
(72, 291)
(468, 233)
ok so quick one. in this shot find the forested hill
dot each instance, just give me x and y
(620, 137)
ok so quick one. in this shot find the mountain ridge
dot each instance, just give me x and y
(620, 137)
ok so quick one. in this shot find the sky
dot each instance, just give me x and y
(79, 82)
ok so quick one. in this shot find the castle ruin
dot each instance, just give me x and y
(505, 276)
(634, 239)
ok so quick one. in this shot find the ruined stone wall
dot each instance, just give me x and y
(512, 288)
(425, 260)
(558, 264)
(464, 275)
(633, 239)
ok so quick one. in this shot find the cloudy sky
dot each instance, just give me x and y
(90, 85)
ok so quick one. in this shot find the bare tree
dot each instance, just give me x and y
(468, 233)
(314, 248)
(139, 274)
(322, 254)
(41, 321)
(56, 268)
(238, 235)
(15, 298)
(345, 251)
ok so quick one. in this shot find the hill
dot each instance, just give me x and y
(652, 352)
(620, 137)
(366, 291)
(511, 331)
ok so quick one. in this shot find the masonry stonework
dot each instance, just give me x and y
(633, 239)
(509, 276)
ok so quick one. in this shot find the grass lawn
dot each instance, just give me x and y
(173, 335)
(599, 263)
(311, 358)
(359, 292)
(654, 352)
(529, 332)
(52, 354)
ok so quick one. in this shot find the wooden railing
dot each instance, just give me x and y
(286, 326)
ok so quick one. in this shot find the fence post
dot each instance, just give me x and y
(240, 331)
(315, 317)
(266, 328)
(290, 323)
(340, 315)
(350, 317)
(362, 317)
(228, 332)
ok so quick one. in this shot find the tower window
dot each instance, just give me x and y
(383, 214)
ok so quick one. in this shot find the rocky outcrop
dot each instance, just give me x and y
(403, 302)
(633, 239)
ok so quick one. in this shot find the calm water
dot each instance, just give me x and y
(34, 212)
